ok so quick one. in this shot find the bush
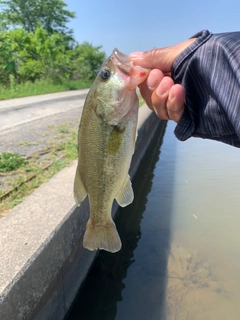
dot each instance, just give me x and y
(29, 56)
(11, 161)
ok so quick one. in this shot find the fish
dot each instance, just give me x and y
(106, 143)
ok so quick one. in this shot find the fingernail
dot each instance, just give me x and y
(135, 55)
(153, 79)
(161, 89)
(151, 83)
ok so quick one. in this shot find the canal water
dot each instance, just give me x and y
(180, 258)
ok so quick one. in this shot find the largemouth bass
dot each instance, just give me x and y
(106, 143)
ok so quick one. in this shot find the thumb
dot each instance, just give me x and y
(161, 58)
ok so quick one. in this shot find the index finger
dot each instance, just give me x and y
(161, 58)
(154, 59)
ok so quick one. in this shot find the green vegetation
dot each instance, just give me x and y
(31, 57)
(10, 161)
(16, 90)
(27, 14)
(37, 48)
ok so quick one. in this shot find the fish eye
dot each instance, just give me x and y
(105, 74)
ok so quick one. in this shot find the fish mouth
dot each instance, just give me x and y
(122, 61)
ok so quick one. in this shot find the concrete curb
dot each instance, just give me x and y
(25, 102)
(42, 261)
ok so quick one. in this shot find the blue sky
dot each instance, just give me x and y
(137, 25)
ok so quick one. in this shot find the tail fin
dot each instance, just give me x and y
(102, 236)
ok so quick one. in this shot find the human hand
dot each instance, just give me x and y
(159, 91)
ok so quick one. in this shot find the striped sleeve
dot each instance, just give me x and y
(209, 71)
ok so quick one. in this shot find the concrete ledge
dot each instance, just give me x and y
(50, 98)
(42, 261)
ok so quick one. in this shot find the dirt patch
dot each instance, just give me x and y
(194, 292)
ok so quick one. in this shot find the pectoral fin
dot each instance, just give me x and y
(125, 195)
(79, 190)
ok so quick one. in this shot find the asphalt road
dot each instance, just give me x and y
(25, 123)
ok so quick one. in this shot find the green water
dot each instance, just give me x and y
(180, 258)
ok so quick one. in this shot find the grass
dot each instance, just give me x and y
(40, 87)
(11, 161)
(45, 86)
(27, 188)
(59, 155)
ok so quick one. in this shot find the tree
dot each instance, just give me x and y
(86, 60)
(30, 56)
(29, 14)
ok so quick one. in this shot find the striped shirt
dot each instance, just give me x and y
(209, 71)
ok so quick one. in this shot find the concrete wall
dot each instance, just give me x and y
(42, 261)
